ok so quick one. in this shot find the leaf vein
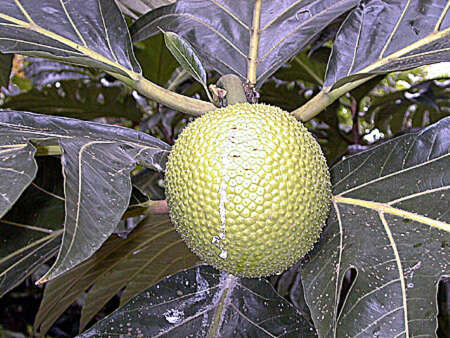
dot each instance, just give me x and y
(387, 176)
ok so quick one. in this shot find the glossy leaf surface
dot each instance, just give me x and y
(91, 33)
(31, 238)
(152, 251)
(390, 221)
(221, 31)
(97, 160)
(203, 302)
(385, 36)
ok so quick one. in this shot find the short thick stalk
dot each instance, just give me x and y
(234, 88)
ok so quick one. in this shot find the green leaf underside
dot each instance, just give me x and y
(30, 238)
(391, 222)
(186, 56)
(220, 30)
(91, 33)
(5, 69)
(203, 302)
(81, 100)
(379, 37)
(152, 251)
(97, 160)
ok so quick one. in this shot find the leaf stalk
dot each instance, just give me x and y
(254, 43)
(170, 99)
(323, 99)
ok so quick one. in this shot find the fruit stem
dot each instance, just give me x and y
(150, 207)
(324, 98)
(234, 88)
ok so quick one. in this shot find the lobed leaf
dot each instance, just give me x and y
(391, 222)
(31, 238)
(203, 302)
(221, 30)
(97, 160)
(91, 33)
(152, 251)
(134, 8)
(386, 36)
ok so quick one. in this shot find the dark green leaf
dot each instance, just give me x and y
(391, 222)
(158, 252)
(5, 69)
(30, 238)
(83, 100)
(157, 63)
(203, 302)
(220, 31)
(17, 166)
(97, 161)
(90, 33)
(385, 36)
(152, 251)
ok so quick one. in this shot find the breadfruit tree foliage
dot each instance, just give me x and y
(94, 93)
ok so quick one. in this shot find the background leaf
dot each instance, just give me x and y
(386, 36)
(83, 100)
(305, 66)
(5, 69)
(31, 238)
(415, 107)
(203, 302)
(390, 221)
(220, 31)
(97, 161)
(91, 33)
(42, 71)
(157, 62)
(152, 251)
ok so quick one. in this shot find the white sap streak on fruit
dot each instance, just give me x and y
(225, 159)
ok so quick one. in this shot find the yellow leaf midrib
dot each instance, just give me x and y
(386, 208)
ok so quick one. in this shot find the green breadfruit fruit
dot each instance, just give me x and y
(248, 189)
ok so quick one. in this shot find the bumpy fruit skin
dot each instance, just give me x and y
(248, 189)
